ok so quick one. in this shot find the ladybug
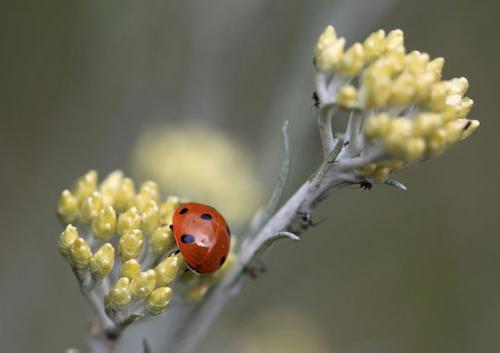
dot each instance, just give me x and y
(202, 235)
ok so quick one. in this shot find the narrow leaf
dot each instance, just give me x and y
(396, 184)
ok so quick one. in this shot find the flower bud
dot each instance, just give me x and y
(85, 186)
(148, 192)
(426, 123)
(458, 85)
(119, 296)
(435, 67)
(67, 208)
(162, 240)
(416, 62)
(381, 174)
(394, 42)
(167, 209)
(103, 261)
(158, 300)
(130, 244)
(67, 239)
(402, 90)
(80, 254)
(128, 220)
(376, 126)
(436, 142)
(414, 148)
(130, 269)
(150, 217)
(109, 186)
(143, 284)
(374, 45)
(439, 92)
(352, 61)
(347, 96)
(167, 270)
(90, 207)
(125, 195)
(104, 225)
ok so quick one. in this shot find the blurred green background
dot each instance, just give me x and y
(389, 271)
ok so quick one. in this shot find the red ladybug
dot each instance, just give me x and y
(202, 236)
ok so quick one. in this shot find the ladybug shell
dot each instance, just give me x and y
(202, 236)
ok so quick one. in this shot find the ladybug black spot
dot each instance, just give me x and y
(184, 210)
(171, 227)
(187, 238)
(206, 217)
(228, 231)
(222, 260)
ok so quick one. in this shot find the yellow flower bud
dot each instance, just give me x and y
(104, 225)
(376, 126)
(423, 86)
(325, 41)
(329, 58)
(381, 174)
(439, 92)
(130, 244)
(414, 148)
(90, 207)
(368, 169)
(158, 300)
(347, 96)
(67, 208)
(119, 296)
(436, 142)
(426, 123)
(374, 45)
(143, 284)
(376, 88)
(435, 67)
(394, 42)
(150, 217)
(109, 186)
(469, 128)
(167, 209)
(167, 270)
(464, 107)
(402, 90)
(67, 239)
(460, 129)
(129, 220)
(130, 269)
(393, 165)
(125, 195)
(416, 62)
(352, 61)
(148, 192)
(85, 186)
(80, 254)
(458, 86)
(103, 261)
(162, 240)
(395, 141)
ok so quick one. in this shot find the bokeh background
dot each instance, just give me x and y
(90, 84)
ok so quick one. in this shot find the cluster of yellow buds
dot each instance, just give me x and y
(405, 107)
(119, 244)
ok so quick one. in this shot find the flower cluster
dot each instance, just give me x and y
(120, 246)
(401, 109)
